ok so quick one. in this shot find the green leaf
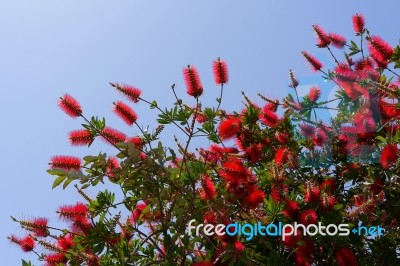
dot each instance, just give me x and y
(57, 171)
(58, 181)
(67, 182)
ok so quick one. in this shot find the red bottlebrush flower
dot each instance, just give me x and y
(80, 137)
(312, 193)
(229, 128)
(328, 201)
(358, 23)
(66, 162)
(137, 142)
(323, 39)
(314, 94)
(210, 218)
(27, 243)
(320, 137)
(337, 40)
(282, 155)
(254, 152)
(55, 259)
(389, 155)
(65, 242)
(314, 63)
(328, 185)
(308, 217)
(208, 191)
(345, 257)
(70, 106)
(132, 93)
(137, 212)
(125, 113)
(269, 118)
(271, 106)
(112, 165)
(39, 227)
(380, 49)
(255, 198)
(364, 122)
(291, 208)
(192, 80)
(112, 136)
(220, 70)
(73, 212)
(239, 247)
(282, 138)
(81, 224)
(307, 130)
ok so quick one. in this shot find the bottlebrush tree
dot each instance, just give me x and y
(272, 162)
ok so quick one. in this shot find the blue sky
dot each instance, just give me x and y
(48, 48)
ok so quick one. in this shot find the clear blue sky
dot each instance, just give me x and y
(48, 48)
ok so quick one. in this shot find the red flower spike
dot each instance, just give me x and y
(136, 141)
(27, 243)
(308, 217)
(255, 198)
(269, 118)
(125, 112)
(337, 40)
(220, 70)
(291, 208)
(389, 155)
(65, 242)
(323, 39)
(379, 49)
(131, 92)
(70, 106)
(328, 185)
(137, 212)
(229, 128)
(112, 136)
(239, 247)
(66, 162)
(358, 23)
(112, 165)
(312, 193)
(81, 137)
(39, 227)
(208, 191)
(314, 63)
(345, 257)
(314, 94)
(55, 259)
(307, 130)
(282, 156)
(192, 80)
(73, 212)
